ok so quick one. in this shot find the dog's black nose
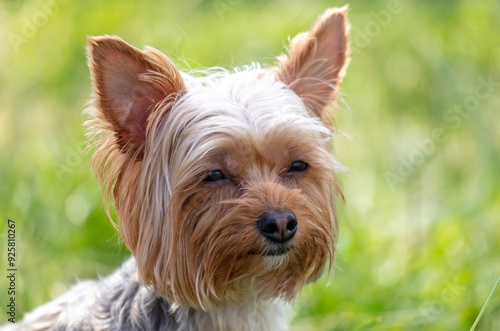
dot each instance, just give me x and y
(279, 225)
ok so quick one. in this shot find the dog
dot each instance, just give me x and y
(224, 182)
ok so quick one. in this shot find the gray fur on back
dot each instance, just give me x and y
(117, 302)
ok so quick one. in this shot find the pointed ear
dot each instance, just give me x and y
(128, 84)
(317, 61)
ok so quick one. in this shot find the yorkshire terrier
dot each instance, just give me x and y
(224, 183)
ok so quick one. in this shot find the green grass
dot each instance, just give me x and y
(476, 322)
(419, 247)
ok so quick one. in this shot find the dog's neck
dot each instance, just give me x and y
(250, 315)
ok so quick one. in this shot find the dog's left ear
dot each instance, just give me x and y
(128, 85)
(317, 61)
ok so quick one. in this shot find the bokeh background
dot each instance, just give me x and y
(420, 230)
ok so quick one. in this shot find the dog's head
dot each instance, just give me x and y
(224, 184)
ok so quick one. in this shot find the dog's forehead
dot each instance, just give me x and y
(244, 93)
(254, 99)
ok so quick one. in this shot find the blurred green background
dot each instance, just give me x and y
(419, 245)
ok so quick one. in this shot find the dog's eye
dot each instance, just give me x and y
(214, 176)
(298, 166)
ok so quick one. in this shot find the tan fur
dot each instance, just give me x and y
(158, 134)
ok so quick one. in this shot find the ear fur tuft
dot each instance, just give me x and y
(317, 61)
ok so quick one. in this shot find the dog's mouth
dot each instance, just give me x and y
(277, 250)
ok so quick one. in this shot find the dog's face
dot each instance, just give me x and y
(224, 185)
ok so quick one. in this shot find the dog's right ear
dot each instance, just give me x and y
(317, 61)
(128, 84)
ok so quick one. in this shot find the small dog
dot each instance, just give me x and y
(224, 184)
